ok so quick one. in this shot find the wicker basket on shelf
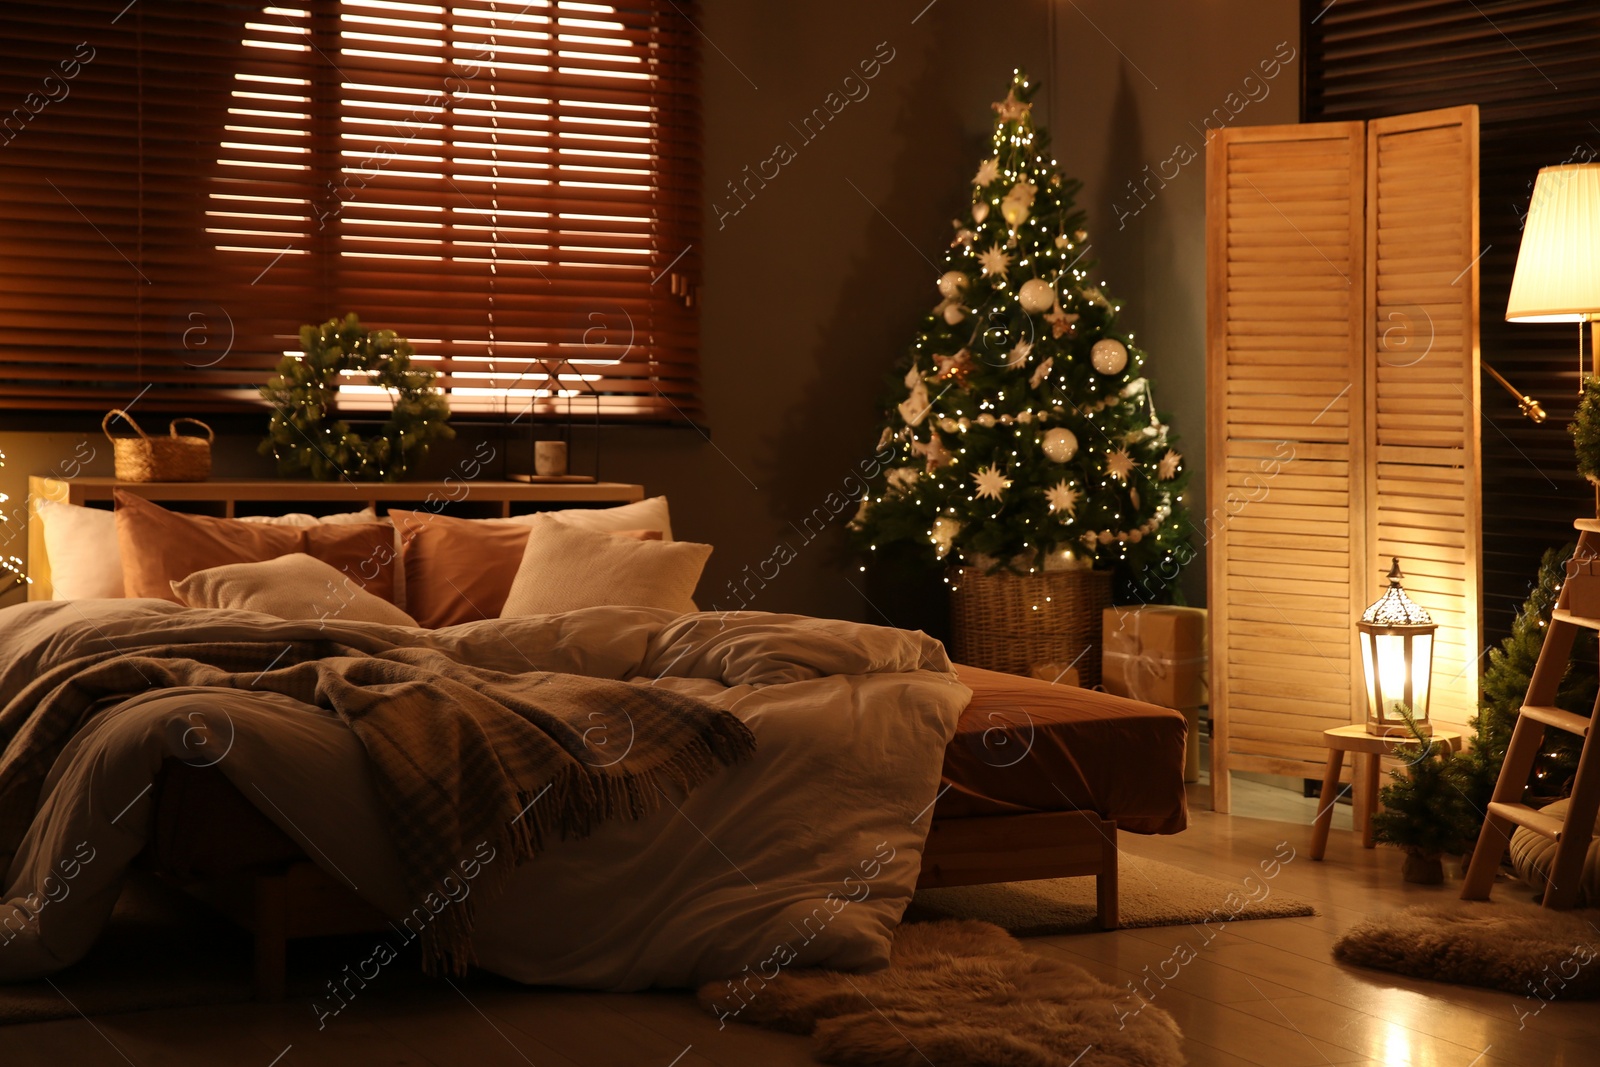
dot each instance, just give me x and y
(1009, 622)
(174, 458)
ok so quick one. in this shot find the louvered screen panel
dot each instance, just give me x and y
(1285, 333)
(1423, 487)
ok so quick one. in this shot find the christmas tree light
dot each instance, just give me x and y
(12, 573)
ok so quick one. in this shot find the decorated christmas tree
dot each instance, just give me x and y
(1020, 432)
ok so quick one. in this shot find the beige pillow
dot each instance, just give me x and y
(295, 586)
(565, 568)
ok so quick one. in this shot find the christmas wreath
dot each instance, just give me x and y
(305, 435)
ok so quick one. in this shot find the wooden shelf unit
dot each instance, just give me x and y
(263, 496)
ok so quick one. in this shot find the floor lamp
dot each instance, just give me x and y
(1558, 265)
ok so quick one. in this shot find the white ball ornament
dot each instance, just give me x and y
(952, 283)
(1036, 295)
(1059, 445)
(1109, 356)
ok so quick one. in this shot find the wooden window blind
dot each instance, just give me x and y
(1529, 66)
(1342, 386)
(512, 186)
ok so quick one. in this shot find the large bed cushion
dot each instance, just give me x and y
(86, 559)
(289, 587)
(160, 547)
(1024, 746)
(565, 568)
(461, 570)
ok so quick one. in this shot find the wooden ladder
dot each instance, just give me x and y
(1539, 713)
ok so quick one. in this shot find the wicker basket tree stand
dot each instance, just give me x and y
(1010, 623)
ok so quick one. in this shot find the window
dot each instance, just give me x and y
(512, 186)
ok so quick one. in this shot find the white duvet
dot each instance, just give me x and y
(804, 856)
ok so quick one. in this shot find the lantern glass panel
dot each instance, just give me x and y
(1421, 675)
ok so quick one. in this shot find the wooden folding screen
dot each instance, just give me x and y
(1317, 310)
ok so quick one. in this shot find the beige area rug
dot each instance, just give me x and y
(1501, 944)
(1150, 893)
(162, 950)
(956, 994)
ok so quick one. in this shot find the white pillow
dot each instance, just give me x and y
(650, 514)
(565, 568)
(85, 559)
(295, 586)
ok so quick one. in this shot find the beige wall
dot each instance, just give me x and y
(815, 285)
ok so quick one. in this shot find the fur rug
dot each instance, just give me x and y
(1502, 944)
(957, 994)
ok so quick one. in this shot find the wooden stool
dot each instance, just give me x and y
(1369, 750)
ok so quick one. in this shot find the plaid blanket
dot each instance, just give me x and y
(461, 755)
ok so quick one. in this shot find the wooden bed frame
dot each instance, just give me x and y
(301, 900)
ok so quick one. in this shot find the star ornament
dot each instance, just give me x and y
(988, 171)
(1019, 354)
(956, 366)
(1063, 498)
(1010, 109)
(1119, 464)
(1167, 468)
(1060, 321)
(990, 482)
(934, 451)
(994, 261)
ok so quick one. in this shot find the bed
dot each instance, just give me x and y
(999, 778)
(1035, 783)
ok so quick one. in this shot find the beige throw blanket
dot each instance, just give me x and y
(461, 755)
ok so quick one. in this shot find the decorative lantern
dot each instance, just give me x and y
(1397, 656)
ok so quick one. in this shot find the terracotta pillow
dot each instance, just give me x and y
(460, 570)
(160, 547)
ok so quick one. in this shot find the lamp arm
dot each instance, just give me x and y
(1526, 404)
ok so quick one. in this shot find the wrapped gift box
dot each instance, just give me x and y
(1156, 654)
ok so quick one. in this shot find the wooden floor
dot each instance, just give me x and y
(1262, 992)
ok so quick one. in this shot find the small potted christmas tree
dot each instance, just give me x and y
(1425, 808)
(1021, 450)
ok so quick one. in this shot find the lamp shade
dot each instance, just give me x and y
(1558, 265)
